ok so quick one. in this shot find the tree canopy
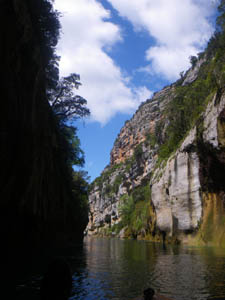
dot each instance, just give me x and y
(65, 103)
(221, 17)
(46, 26)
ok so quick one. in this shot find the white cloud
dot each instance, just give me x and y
(87, 31)
(180, 28)
(169, 61)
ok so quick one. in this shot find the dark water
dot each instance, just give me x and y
(122, 269)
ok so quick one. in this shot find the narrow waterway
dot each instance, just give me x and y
(122, 269)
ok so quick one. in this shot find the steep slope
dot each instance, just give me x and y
(165, 180)
(36, 197)
(192, 179)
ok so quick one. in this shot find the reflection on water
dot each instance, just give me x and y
(118, 269)
(122, 269)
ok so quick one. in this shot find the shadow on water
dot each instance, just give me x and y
(122, 269)
(30, 270)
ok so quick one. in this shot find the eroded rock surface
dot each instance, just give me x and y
(177, 187)
(175, 146)
(143, 122)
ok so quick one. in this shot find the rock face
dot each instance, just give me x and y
(132, 145)
(176, 195)
(143, 122)
(192, 73)
(187, 189)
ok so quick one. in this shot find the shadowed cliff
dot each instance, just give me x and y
(36, 197)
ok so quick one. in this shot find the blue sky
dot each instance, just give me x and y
(124, 50)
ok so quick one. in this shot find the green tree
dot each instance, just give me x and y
(126, 208)
(221, 17)
(67, 107)
(46, 28)
(70, 144)
(193, 60)
(64, 102)
(80, 191)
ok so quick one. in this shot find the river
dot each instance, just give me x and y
(121, 269)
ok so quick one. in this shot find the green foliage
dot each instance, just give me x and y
(193, 61)
(105, 175)
(138, 152)
(46, 27)
(128, 163)
(140, 217)
(141, 193)
(80, 194)
(104, 178)
(70, 145)
(135, 209)
(117, 182)
(126, 209)
(150, 139)
(221, 17)
(190, 101)
(158, 131)
(108, 189)
(98, 182)
(65, 104)
(116, 228)
(108, 219)
(166, 149)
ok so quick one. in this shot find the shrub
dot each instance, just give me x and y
(135, 209)
(150, 139)
(117, 183)
(138, 152)
(141, 193)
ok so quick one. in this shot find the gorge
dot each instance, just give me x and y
(165, 181)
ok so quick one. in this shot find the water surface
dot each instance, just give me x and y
(121, 269)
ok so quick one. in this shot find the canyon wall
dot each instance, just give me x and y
(174, 197)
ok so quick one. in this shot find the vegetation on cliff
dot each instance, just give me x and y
(191, 100)
(136, 212)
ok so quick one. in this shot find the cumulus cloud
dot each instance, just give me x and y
(180, 29)
(86, 33)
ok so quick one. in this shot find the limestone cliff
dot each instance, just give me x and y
(193, 172)
(143, 122)
(165, 180)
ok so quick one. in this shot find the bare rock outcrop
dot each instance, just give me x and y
(142, 123)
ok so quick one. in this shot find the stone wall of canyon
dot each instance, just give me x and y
(187, 189)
